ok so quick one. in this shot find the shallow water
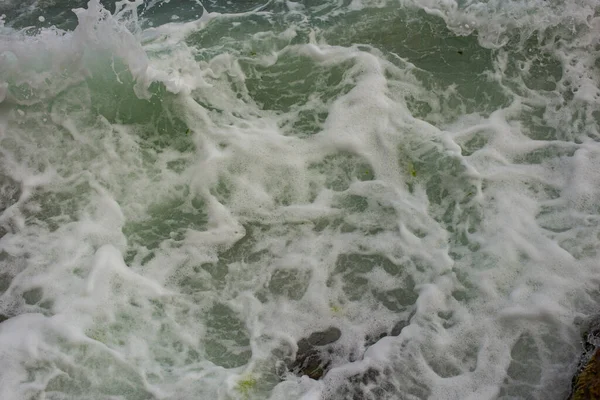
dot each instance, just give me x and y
(189, 188)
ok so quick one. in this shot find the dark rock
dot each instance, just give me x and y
(397, 329)
(586, 382)
(586, 385)
(370, 340)
(314, 353)
(10, 191)
(3, 318)
(369, 376)
(367, 385)
(329, 336)
(311, 364)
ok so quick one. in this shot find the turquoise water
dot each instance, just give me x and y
(188, 188)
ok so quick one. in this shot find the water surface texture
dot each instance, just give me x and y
(188, 188)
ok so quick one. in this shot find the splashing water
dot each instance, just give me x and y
(187, 189)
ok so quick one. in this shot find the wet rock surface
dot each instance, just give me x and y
(586, 385)
(586, 382)
(369, 385)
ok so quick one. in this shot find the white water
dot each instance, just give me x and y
(184, 201)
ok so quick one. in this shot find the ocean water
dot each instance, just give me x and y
(188, 188)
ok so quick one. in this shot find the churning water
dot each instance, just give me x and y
(188, 188)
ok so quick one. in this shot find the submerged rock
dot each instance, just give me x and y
(10, 191)
(329, 336)
(314, 353)
(368, 385)
(396, 330)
